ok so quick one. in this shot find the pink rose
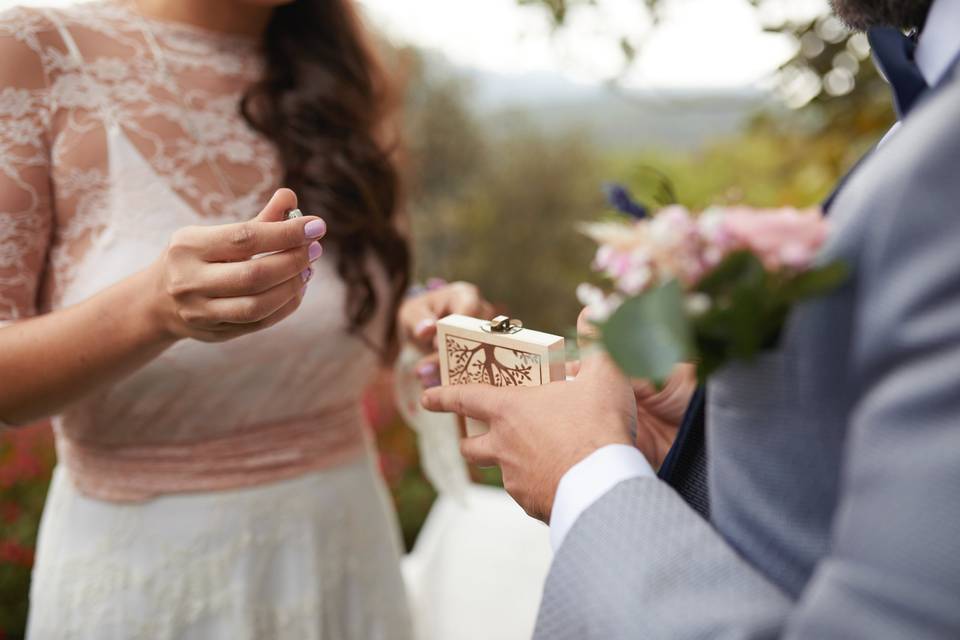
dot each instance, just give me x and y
(782, 238)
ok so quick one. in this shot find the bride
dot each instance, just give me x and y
(204, 369)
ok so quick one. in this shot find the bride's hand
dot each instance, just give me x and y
(207, 287)
(418, 321)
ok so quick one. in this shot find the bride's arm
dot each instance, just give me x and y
(203, 286)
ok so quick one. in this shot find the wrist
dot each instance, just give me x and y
(150, 308)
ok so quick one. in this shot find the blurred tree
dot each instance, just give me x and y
(830, 71)
(836, 107)
(499, 210)
(444, 139)
(514, 231)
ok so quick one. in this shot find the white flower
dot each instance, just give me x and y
(636, 280)
(697, 304)
(599, 305)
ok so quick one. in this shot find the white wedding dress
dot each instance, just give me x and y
(224, 490)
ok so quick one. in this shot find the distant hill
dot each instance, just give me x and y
(614, 119)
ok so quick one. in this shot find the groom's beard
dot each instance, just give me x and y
(860, 15)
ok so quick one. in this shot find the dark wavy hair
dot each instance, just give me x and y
(325, 101)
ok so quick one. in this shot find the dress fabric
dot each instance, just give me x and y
(223, 490)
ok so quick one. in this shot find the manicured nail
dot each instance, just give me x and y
(431, 383)
(427, 370)
(315, 251)
(423, 325)
(306, 274)
(315, 229)
(303, 291)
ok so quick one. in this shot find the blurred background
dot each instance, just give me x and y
(517, 113)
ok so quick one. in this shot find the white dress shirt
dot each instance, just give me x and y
(587, 481)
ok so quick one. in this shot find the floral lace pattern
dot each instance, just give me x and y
(53, 111)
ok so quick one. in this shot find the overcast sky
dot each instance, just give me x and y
(700, 44)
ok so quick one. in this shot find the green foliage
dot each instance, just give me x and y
(828, 67)
(652, 332)
(750, 305)
(649, 333)
(26, 462)
(506, 218)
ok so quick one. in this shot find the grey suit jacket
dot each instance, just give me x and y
(834, 465)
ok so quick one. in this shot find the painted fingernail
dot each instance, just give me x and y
(303, 291)
(431, 383)
(315, 229)
(315, 251)
(427, 370)
(306, 274)
(423, 325)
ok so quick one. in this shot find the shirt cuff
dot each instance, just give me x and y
(588, 481)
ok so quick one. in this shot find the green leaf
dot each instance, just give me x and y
(649, 333)
(815, 282)
(739, 288)
(737, 268)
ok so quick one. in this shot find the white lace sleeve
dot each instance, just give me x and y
(25, 192)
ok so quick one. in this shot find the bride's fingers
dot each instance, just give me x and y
(465, 299)
(253, 309)
(280, 314)
(587, 339)
(250, 277)
(419, 324)
(428, 371)
(283, 201)
(230, 331)
(243, 240)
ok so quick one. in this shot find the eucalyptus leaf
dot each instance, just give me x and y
(649, 333)
(816, 281)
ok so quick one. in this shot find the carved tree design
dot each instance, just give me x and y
(478, 362)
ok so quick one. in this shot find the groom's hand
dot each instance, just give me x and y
(538, 433)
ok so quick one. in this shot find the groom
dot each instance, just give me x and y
(834, 460)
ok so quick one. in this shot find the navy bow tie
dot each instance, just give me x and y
(893, 53)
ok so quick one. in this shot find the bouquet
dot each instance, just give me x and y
(709, 287)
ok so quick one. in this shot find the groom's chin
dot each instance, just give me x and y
(860, 15)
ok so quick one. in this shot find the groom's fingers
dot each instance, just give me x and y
(477, 401)
(478, 450)
(594, 360)
(586, 331)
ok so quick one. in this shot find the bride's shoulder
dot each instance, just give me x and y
(33, 39)
(26, 33)
(42, 19)
(25, 24)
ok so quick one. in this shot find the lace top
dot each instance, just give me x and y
(103, 154)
